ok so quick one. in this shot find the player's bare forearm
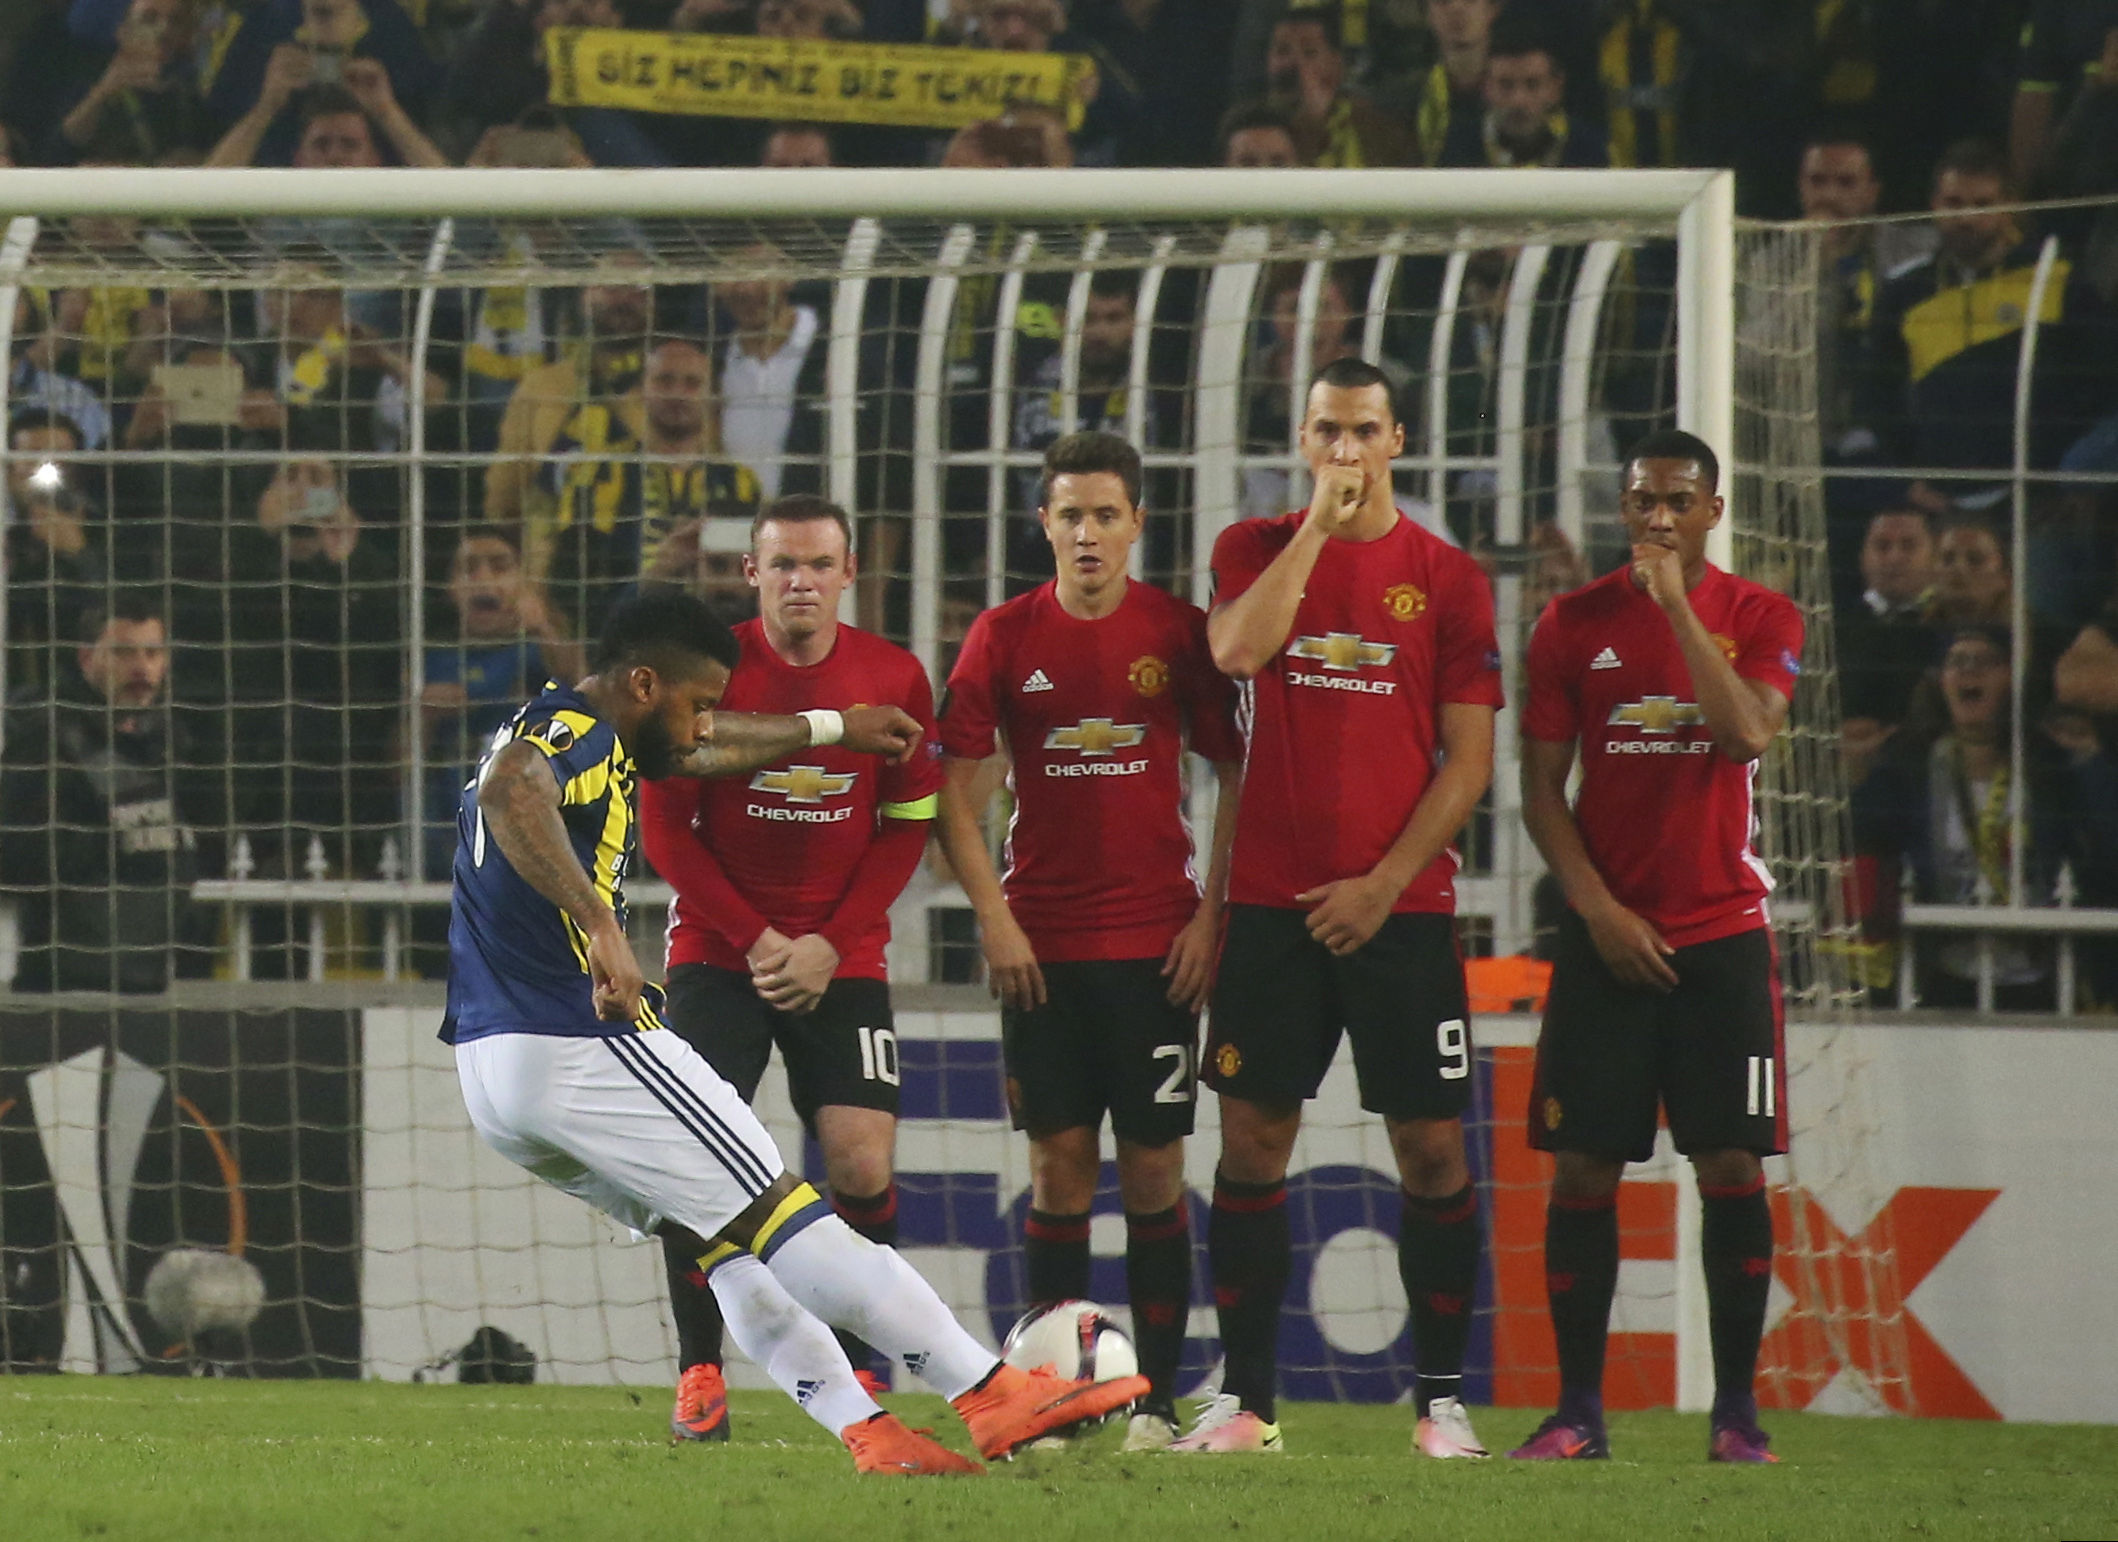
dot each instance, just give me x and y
(731, 743)
(1245, 633)
(519, 801)
(1466, 773)
(1743, 715)
(958, 825)
(1545, 768)
(1229, 773)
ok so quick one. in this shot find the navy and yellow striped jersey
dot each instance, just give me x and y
(517, 962)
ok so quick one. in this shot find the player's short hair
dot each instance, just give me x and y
(1975, 158)
(668, 629)
(134, 605)
(801, 509)
(1089, 451)
(1354, 375)
(1677, 444)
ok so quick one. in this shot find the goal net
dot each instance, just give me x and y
(376, 452)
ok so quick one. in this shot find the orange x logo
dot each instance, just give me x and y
(1918, 1226)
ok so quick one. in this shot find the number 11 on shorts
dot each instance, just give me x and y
(1762, 1091)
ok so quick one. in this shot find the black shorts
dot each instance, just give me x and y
(1281, 999)
(842, 1053)
(1106, 1039)
(1710, 1054)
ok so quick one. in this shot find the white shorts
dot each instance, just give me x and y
(637, 1124)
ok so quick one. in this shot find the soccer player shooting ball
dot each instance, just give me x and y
(568, 1071)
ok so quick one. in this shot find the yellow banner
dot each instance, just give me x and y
(910, 85)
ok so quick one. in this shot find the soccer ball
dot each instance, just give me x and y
(1077, 1339)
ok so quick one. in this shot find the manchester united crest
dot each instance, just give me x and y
(1552, 1114)
(1228, 1060)
(1149, 675)
(1726, 644)
(1405, 602)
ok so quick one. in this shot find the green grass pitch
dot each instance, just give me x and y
(174, 1460)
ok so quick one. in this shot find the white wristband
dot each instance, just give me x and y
(825, 726)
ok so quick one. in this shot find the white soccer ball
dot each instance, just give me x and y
(1077, 1339)
(195, 1290)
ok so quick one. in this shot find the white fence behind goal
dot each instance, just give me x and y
(456, 349)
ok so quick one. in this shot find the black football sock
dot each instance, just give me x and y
(1248, 1246)
(1580, 1278)
(691, 1303)
(1158, 1279)
(1735, 1244)
(873, 1216)
(1438, 1244)
(1055, 1256)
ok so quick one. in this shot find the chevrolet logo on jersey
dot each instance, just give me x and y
(1096, 736)
(1657, 715)
(804, 784)
(1343, 650)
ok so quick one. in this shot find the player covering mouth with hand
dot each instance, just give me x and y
(1671, 677)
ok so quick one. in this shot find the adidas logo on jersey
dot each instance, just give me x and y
(1607, 659)
(1037, 681)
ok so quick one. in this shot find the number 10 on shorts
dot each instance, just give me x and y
(1763, 1096)
(878, 1055)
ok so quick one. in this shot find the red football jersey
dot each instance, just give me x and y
(1666, 817)
(1345, 720)
(790, 838)
(1094, 712)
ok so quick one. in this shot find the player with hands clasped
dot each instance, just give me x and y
(1671, 677)
(784, 882)
(1098, 942)
(1374, 676)
(568, 1071)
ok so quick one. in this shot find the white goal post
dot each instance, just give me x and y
(842, 230)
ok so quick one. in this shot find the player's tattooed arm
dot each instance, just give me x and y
(518, 798)
(731, 743)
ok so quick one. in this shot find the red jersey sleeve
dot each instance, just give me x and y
(1209, 697)
(905, 787)
(1238, 558)
(1553, 711)
(1770, 648)
(1467, 651)
(667, 809)
(970, 709)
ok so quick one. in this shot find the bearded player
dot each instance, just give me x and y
(1373, 679)
(784, 883)
(1098, 942)
(567, 1069)
(1672, 677)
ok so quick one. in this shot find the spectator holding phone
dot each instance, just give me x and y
(344, 122)
(368, 48)
(137, 103)
(54, 546)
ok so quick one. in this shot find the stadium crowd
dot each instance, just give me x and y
(617, 433)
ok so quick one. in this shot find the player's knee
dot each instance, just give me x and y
(1728, 1169)
(1582, 1176)
(1150, 1178)
(1430, 1156)
(1064, 1166)
(1257, 1140)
